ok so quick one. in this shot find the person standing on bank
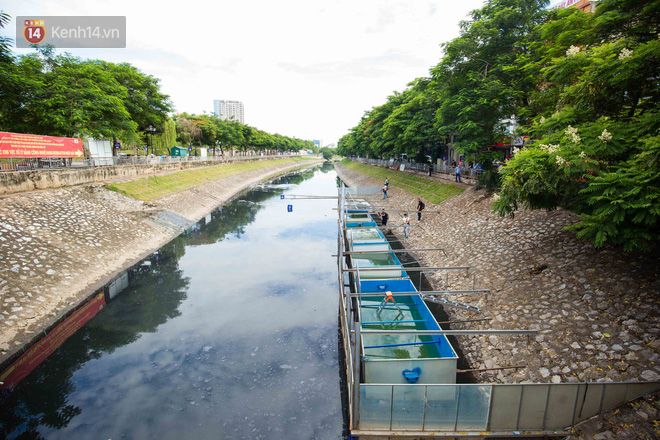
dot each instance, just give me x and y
(406, 225)
(458, 173)
(383, 216)
(385, 196)
(420, 207)
(430, 169)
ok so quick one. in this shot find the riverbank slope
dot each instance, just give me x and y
(58, 246)
(597, 311)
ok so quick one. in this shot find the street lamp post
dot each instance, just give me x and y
(151, 130)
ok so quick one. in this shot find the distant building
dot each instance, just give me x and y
(583, 5)
(231, 110)
(318, 143)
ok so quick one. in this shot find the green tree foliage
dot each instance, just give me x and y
(597, 121)
(404, 124)
(585, 88)
(5, 42)
(473, 89)
(227, 135)
(60, 95)
(327, 153)
(145, 104)
(476, 81)
(163, 142)
(80, 99)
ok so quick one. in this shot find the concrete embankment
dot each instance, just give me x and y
(58, 246)
(29, 180)
(597, 312)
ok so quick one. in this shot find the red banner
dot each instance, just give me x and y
(32, 145)
(46, 346)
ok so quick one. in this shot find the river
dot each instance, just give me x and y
(228, 332)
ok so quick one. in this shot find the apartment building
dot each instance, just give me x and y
(232, 110)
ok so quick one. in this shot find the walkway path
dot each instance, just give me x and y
(597, 311)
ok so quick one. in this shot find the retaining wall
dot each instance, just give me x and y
(20, 181)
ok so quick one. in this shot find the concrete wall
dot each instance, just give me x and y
(19, 181)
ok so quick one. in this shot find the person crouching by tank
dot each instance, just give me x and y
(383, 216)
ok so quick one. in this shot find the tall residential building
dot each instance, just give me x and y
(583, 5)
(229, 110)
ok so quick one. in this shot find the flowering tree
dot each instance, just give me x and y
(597, 121)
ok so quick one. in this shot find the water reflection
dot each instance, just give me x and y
(229, 331)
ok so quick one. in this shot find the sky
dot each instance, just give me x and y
(306, 69)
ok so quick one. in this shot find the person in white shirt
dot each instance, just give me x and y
(406, 225)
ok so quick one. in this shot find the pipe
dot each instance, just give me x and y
(399, 345)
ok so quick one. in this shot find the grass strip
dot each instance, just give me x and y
(431, 190)
(152, 188)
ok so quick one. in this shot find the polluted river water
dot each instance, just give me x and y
(230, 331)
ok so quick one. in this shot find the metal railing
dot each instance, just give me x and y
(491, 408)
(470, 173)
(447, 410)
(27, 164)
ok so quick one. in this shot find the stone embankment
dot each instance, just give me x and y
(596, 311)
(59, 246)
(30, 180)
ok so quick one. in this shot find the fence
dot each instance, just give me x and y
(449, 410)
(470, 173)
(493, 408)
(25, 164)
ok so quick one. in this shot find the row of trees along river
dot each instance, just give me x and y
(60, 95)
(585, 89)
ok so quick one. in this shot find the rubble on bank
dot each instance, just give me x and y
(596, 311)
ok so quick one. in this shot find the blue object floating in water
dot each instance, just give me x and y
(289, 208)
(282, 196)
(412, 376)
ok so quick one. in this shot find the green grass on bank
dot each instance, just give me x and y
(151, 188)
(434, 192)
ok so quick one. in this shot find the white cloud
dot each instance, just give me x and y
(302, 68)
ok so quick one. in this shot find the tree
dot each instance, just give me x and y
(187, 131)
(476, 82)
(598, 124)
(80, 99)
(5, 42)
(145, 104)
(50, 94)
(167, 139)
(327, 153)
